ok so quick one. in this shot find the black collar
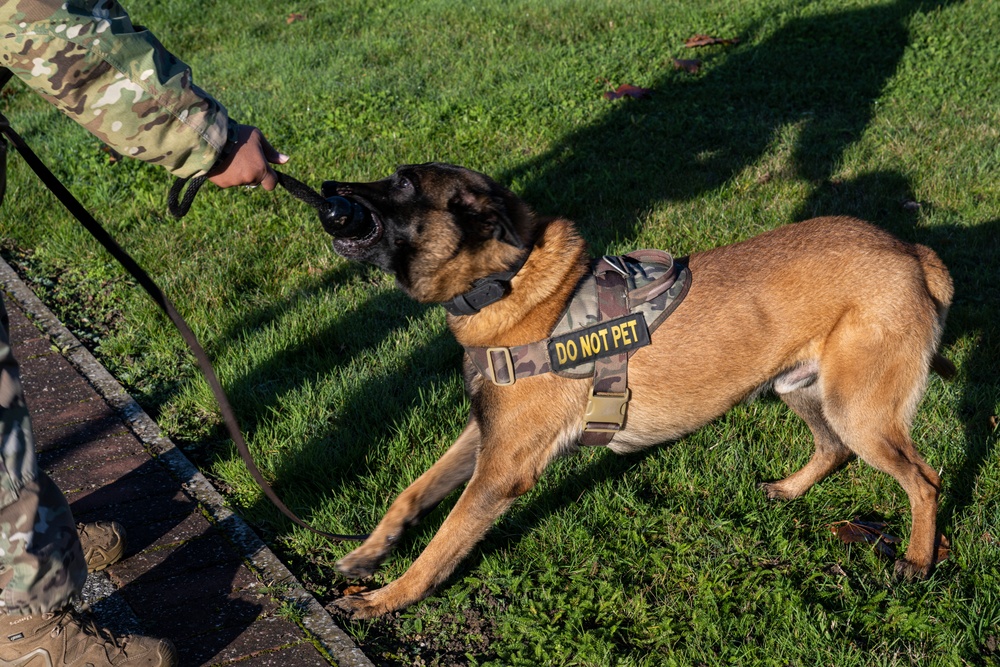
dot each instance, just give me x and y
(485, 291)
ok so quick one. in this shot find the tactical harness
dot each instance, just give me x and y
(612, 313)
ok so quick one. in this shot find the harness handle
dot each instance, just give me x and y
(658, 286)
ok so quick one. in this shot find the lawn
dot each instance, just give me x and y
(347, 390)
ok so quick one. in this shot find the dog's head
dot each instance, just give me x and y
(436, 227)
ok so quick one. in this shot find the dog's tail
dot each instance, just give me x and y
(942, 290)
(937, 278)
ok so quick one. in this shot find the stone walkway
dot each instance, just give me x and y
(194, 572)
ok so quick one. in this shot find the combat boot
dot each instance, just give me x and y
(69, 638)
(103, 543)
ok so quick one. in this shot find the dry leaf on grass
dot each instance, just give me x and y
(293, 17)
(689, 66)
(706, 40)
(869, 532)
(628, 90)
(873, 532)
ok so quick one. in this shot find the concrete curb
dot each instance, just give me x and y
(318, 624)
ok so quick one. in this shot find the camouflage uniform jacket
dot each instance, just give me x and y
(114, 79)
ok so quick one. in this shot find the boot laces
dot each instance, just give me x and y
(84, 620)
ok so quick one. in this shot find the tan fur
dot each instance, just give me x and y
(834, 296)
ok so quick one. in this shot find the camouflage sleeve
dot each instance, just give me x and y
(115, 80)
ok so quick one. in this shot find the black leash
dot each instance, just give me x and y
(98, 232)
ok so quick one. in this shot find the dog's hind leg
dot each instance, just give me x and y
(830, 451)
(453, 469)
(871, 387)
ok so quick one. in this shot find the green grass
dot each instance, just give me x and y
(347, 390)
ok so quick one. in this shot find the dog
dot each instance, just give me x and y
(839, 318)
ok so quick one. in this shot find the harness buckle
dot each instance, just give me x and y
(508, 360)
(606, 412)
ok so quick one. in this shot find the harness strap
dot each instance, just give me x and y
(610, 394)
(504, 365)
(98, 232)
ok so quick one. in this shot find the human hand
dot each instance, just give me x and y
(247, 162)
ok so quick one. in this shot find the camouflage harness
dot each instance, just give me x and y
(612, 313)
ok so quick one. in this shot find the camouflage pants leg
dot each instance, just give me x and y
(41, 562)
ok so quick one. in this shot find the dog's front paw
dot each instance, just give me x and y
(361, 606)
(911, 571)
(775, 491)
(359, 564)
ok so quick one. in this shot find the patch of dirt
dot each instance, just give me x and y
(430, 634)
(445, 639)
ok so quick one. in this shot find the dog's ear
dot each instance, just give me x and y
(486, 215)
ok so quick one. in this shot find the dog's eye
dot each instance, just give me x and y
(403, 183)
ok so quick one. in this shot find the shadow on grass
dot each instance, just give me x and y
(820, 74)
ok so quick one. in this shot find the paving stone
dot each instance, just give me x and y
(171, 561)
(81, 478)
(150, 510)
(237, 611)
(27, 349)
(98, 450)
(44, 381)
(22, 332)
(68, 413)
(181, 578)
(20, 323)
(186, 598)
(266, 634)
(302, 655)
(53, 435)
(142, 536)
(188, 585)
(48, 403)
(147, 481)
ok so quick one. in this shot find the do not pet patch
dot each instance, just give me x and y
(604, 339)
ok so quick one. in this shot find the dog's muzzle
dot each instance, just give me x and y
(353, 226)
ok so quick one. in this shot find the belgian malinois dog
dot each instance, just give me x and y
(839, 318)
